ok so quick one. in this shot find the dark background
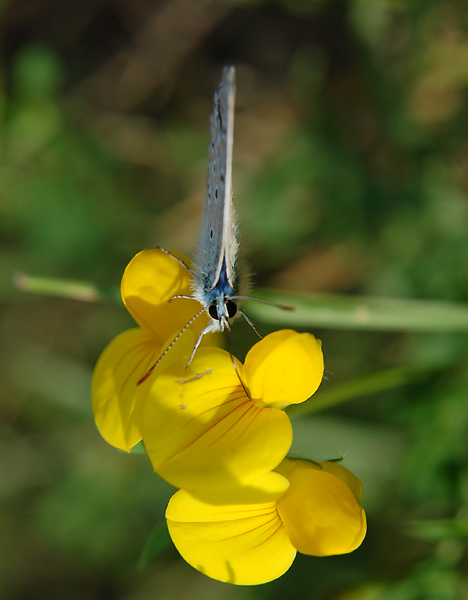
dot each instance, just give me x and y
(350, 177)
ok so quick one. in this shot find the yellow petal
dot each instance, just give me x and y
(243, 543)
(114, 388)
(345, 475)
(285, 367)
(320, 512)
(150, 280)
(214, 506)
(202, 432)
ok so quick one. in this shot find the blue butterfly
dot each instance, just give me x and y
(218, 283)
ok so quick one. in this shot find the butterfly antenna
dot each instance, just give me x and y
(267, 302)
(241, 312)
(228, 344)
(148, 373)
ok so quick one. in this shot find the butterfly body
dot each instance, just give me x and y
(219, 301)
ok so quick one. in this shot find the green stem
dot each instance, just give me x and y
(65, 288)
(361, 312)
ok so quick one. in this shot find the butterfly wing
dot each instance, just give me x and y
(217, 249)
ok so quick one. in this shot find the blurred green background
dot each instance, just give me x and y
(350, 177)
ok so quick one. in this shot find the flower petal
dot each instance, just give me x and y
(345, 475)
(214, 506)
(284, 367)
(243, 542)
(320, 512)
(114, 387)
(152, 278)
(202, 432)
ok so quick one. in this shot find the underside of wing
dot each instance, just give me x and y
(218, 241)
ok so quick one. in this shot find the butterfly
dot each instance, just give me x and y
(218, 283)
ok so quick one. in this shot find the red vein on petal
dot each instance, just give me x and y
(225, 416)
(268, 509)
(225, 387)
(260, 526)
(256, 411)
(126, 415)
(268, 525)
(228, 399)
(230, 428)
(129, 351)
(202, 434)
(273, 533)
(221, 404)
(142, 350)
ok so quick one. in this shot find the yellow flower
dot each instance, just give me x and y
(214, 427)
(151, 279)
(251, 535)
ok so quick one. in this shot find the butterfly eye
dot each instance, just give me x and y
(231, 308)
(213, 311)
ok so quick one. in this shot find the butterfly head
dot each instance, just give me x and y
(222, 309)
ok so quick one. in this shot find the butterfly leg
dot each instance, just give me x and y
(208, 329)
(181, 296)
(179, 260)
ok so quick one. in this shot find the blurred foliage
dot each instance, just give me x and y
(350, 177)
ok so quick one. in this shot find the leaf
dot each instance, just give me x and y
(369, 384)
(439, 530)
(158, 541)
